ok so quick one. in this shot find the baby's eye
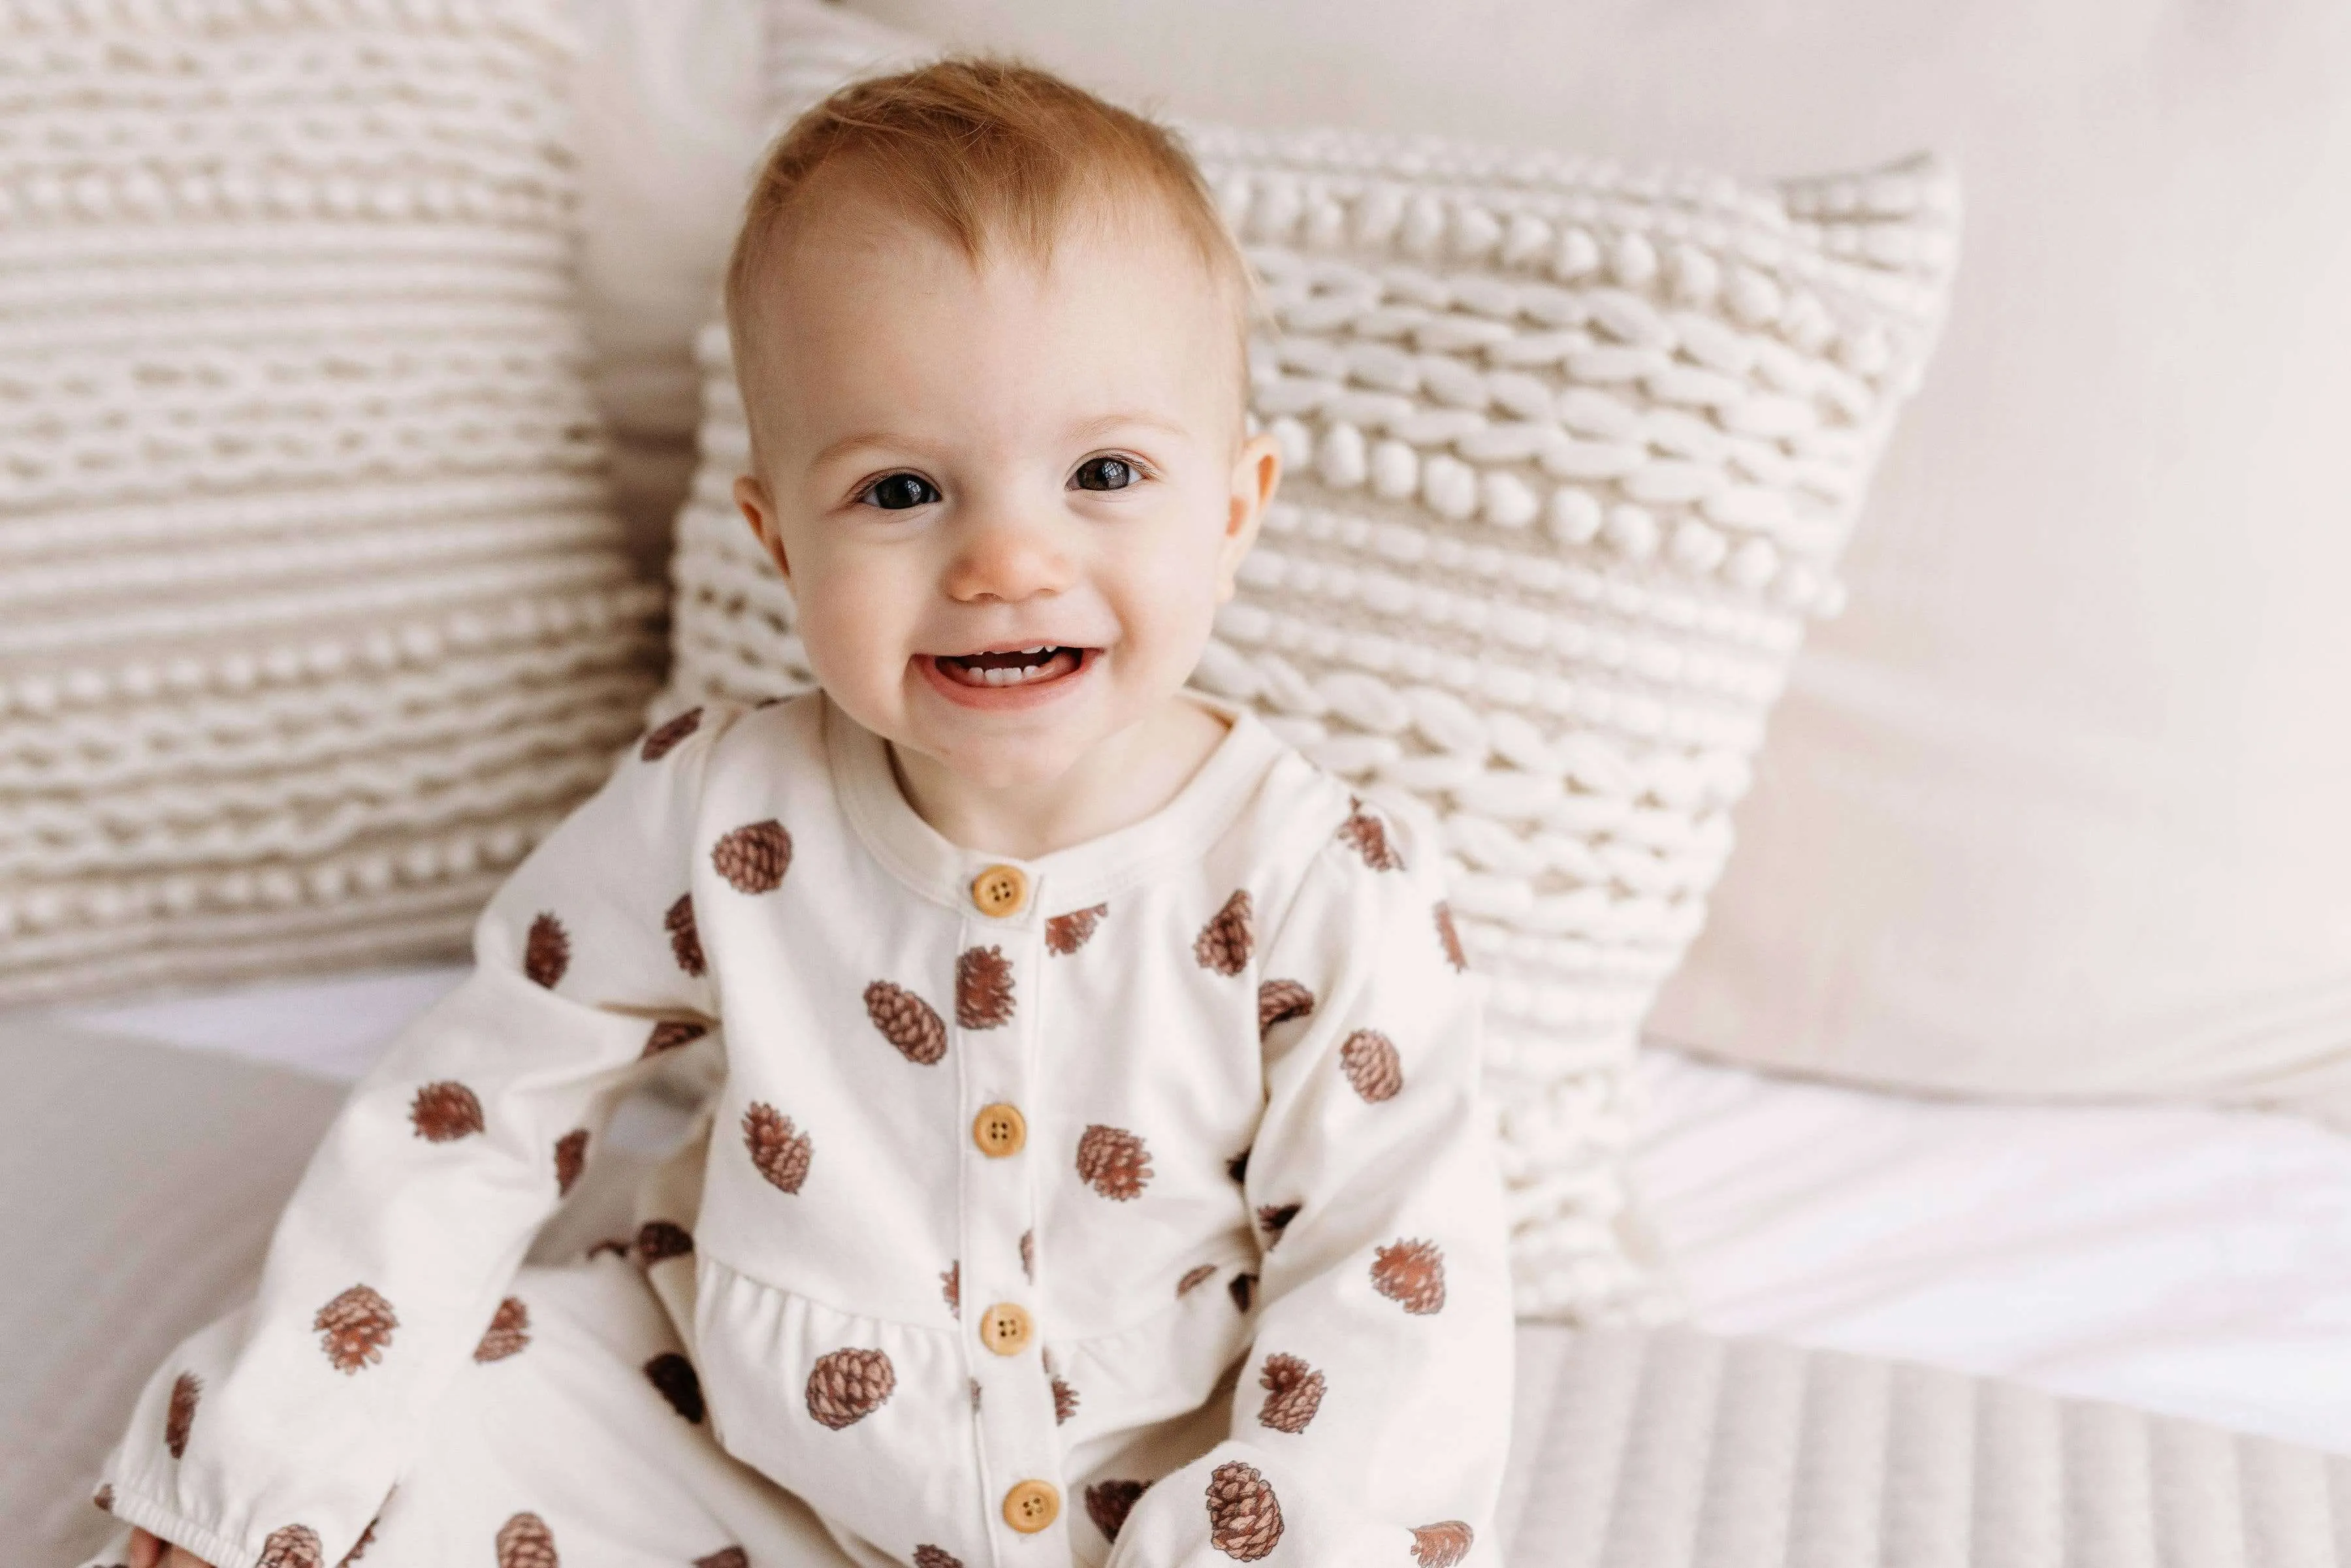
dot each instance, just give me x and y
(898, 492)
(1103, 474)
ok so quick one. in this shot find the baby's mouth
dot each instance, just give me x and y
(1015, 667)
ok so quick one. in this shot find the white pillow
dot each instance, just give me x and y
(313, 612)
(1573, 450)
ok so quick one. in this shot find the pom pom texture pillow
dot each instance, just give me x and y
(312, 612)
(1571, 452)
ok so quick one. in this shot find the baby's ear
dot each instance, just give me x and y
(759, 509)
(1257, 475)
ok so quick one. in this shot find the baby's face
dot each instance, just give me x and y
(1007, 498)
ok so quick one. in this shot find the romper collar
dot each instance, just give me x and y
(1075, 878)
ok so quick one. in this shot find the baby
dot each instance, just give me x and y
(1098, 1173)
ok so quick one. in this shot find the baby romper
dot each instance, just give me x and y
(1129, 1205)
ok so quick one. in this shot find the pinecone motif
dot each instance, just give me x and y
(1244, 1516)
(1363, 832)
(524, 1542)
(1225, 942)
(186, 1389)
(355, 1328)
(1279, 1001)
(102, 1498)
(657, 743)
(780, 1150)
(1449, 935)
(1294, 1390)
(1114, 1162)
(1412, 1273)
(1442, 1544)
(570, 1159)
(547, 951)
(508, 1332)
(1370, 1061)
(670, 1034)
(658, 1240)
(1028, 1255)
(1273, 1219)
(685, 935)
(847, 1385)
(1195, 1278)
(906, 1022)
(936, 1557)
(1065, 1401)
(754, 858)
(1243, 1290)
(983, 987)
(674, 1377)
(725, 1557)
(1109, 1503)
(295, 1546)
(951, 1286)
(445, 1112)
(1065, 934)
(358, 1547)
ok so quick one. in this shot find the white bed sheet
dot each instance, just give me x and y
(2187, 1260)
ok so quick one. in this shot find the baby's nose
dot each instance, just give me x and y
(1006, 556)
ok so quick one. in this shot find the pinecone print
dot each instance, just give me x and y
(657, 743)
(685, 935)
(1279, 1001)
(1109, 1503)
(658, 1240)
(1370, 1061)
(547, 951)
(186, 1389)
(670, 1034)
(753, 858)
(1114, 1162)
(1412, 1273)
(1028, 1256)
(508, 1332)
(906, 1022)
(524, 1542)
(672, 1376)
(1273, 1219)
(1441, 1545)
(848, 1385)
(951, 1287)
(1065, 934)
(1449, 935)
(725, 1557)
(102, 1498)
(780, 1150)
(1244, 1516)
(1363, 832)
(355, 1329)
(443, 1112)
(983, 987)
(1225, 943)
(570, 1159)
(1195, 1278)
(1065, 1400)
(1243, 1290)
(1294, 1393)
(358, 1547)
(936, 1557)
(296, 1546)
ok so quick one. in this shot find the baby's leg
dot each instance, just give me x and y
(580, 1442)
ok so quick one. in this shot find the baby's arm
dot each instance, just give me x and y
(1372, 1419)
(276, 1432)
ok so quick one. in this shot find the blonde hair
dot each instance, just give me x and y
(987, 153)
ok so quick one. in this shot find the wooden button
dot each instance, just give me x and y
(1032, 1506)
(1004, 1329)
(999, 1130)
(999, 891)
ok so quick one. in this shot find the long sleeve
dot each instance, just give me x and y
(1370, 1422)
(275, 1433)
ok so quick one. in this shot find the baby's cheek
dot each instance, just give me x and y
(853, 624)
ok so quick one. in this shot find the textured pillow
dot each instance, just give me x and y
(313, 613)
(1573, 453)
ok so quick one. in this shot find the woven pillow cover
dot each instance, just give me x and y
(313, 614)
(1571, 452)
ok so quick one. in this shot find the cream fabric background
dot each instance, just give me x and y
(2059, 807)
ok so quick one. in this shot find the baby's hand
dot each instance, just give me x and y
(146, 1552)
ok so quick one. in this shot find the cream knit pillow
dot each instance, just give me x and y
(312, 612)
(1572, 451)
